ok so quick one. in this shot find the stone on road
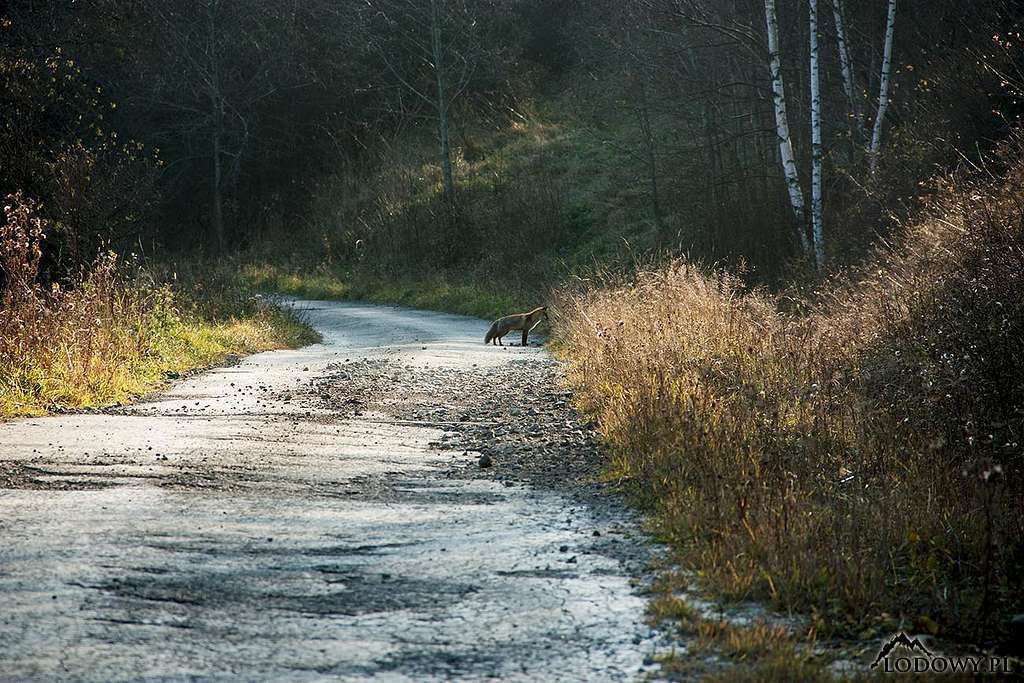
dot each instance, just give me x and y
(234, 528)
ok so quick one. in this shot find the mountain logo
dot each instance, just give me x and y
(903, 655)
(903, 640)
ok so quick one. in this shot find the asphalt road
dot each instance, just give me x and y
(235, 528)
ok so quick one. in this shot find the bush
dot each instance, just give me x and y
(859, 458)
(114, 332)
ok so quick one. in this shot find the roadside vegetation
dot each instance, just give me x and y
(114, 332)
(851, 454)
(466, 296)
(759, 651)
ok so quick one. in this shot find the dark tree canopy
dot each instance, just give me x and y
(216, 125)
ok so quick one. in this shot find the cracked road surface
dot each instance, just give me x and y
(239, 527)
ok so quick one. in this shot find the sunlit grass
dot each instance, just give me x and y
(115, 334)
(307, 285)
(471, 297)
(49, 380)
(758, 650)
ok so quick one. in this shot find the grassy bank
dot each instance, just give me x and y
(537, 199)
(854, 455)
(482, 298)
(114, 333)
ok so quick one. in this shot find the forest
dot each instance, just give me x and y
(225, 128)
(782, 242)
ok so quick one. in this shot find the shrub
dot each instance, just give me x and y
(859, 458)
(113, 332)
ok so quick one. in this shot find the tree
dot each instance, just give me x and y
(848, 73)
(883, 88)
(201, 78)
(94, 186)
(430, 48)
(817, 154)
(788, 160)
(625, 58)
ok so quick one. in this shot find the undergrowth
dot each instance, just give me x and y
(717, 649)
(530, 206)
(856, 454)
(112, 332)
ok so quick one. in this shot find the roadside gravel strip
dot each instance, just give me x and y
(323, 514)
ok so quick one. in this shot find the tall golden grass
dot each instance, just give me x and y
(855, 454)
(112, 332)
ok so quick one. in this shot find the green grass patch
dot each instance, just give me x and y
(468, 296)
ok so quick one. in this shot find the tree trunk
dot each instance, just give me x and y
(817, 227)
(217, 107)
(883, 88)
(789, 169)
(652, 166)
(846, 67)
(218, 202)
(442, 101)
(446, 155)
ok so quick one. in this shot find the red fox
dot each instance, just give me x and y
(520, 321)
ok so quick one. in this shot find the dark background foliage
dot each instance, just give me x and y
(220, 126)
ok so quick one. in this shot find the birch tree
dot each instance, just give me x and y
(817, 228)
(883, 88)
(846, 68)
(786, 156)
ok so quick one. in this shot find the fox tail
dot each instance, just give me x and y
(492, 332)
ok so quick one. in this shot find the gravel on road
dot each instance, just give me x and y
(400, 502)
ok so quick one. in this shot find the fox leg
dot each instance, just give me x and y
(526, 335)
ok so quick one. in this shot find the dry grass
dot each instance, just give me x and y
(756, 648)
(859, 458)
(113, 334)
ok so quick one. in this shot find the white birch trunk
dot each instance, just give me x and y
(817, 221)
(789, 169)
(883, 88)
(846, 67)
